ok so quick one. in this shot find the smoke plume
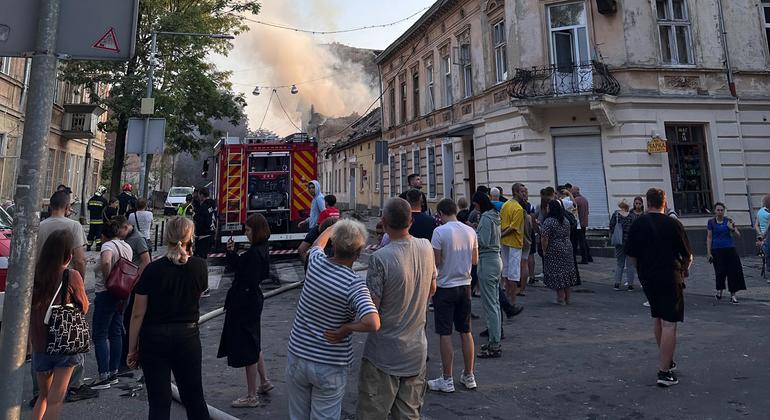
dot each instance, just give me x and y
(265, 56)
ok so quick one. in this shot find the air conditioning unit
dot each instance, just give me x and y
(607, 7)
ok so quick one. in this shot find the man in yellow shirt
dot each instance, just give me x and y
(512, 241)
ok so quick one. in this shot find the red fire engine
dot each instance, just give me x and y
(268, 176)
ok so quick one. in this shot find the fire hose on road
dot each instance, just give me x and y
(215, 413)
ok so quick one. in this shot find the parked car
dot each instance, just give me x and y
(6, 223)
(176, 196)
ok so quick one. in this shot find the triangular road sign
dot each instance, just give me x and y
(108, 41)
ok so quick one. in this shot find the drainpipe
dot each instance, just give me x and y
(381, 171)
(734, 93)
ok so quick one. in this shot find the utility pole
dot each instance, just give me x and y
(148, 96)
(18, 294)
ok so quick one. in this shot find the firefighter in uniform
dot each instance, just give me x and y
(96, 206)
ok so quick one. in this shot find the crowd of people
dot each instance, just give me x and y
(426, 260)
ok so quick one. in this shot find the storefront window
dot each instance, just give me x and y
(688, 159)
(392, 173)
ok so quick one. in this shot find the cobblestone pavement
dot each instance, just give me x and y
(594, 359)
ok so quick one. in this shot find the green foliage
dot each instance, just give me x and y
(188, 90)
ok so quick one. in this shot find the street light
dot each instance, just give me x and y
(150, 79)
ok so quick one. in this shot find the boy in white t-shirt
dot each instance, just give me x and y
(141, 219)
(456, 249)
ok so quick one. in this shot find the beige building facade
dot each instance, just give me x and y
(551, 92)
(73, 127)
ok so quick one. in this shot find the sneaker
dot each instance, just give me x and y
(616, 286)
(81, 393)
(206, 293)
(630, 288)
(442, 384)
(672, 366)
(469, 380)
(488, 352)
(113, 378)
(101, 384)
(667, 379)
(646, 303)
(245, 402)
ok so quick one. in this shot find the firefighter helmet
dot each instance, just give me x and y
(127, 187)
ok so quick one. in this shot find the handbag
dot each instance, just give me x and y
(617, 232)
(122, 278)
(67, 332)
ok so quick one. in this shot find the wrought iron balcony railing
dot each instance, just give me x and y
(559, 80)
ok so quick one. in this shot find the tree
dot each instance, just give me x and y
(188, 90)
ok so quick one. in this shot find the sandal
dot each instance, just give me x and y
(245, 402)
(265, 388)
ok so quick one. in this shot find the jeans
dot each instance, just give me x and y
(766, 250)
(107, 332)
(176, 348)
(623, 262)
(582, 243)
(315, 389)
(489, 269)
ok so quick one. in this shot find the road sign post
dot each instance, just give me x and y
(18, 293)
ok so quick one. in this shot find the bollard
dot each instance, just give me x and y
(156, 237)
(162, 229)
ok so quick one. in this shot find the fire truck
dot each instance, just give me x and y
(266, 175)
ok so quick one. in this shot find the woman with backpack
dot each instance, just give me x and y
(622, 220)
(720, 248)
(108, 309)
(54, 284)
(241, 334)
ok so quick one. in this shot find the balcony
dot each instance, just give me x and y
(80, 120)
(557, 81)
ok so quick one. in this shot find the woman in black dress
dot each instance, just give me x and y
(559, 269)
(240, 341)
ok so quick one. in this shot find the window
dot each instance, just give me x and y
(570, 54)
(5, 65)
(404, 183)
(416, 161)
(49, 171)
(59, 169)
(766, 7)
(501, 56)
(392, 173)
(392, 105)
(3, 144)
(431, 100)
(97, 171)
(688, 160)
(446, 69)
(431, 171)
(403, 101)
(465, 62)
(415, 94)
(674, 27)
(79, 122)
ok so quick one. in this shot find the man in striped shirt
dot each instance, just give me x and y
(401, 278)
(334, 303)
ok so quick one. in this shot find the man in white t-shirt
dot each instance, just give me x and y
(456, 249)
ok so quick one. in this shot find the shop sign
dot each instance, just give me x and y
(657, 145)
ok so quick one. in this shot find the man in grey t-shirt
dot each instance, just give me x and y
(401, 278)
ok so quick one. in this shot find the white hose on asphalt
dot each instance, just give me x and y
(215, 413)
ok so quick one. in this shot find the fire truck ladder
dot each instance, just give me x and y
(234, 183)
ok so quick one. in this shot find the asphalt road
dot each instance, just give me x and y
(594, 359)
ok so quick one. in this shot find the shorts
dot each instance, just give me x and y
(44, 363)
(452, 305)
(665, 303)
(511, 263)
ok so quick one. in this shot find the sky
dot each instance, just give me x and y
(267, 56)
